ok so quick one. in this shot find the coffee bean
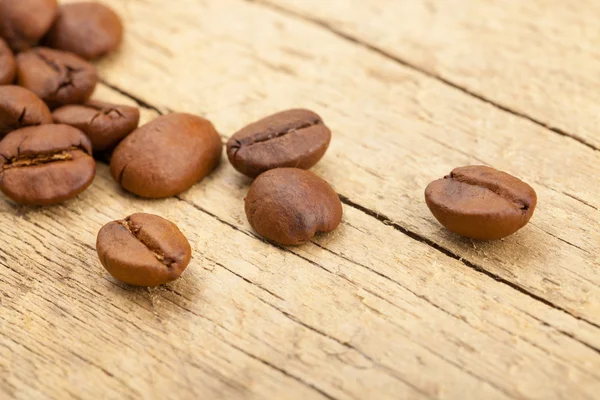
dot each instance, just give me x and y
(290, 205)
(19, 108)
(24, 22)
(293, 138)
(8, 66)
(46, 164)
(88, 29)
(57, 77)
(166, 156)
(481, 202)
(105, 124)
(143, 250)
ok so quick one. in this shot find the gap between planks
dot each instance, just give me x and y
(295, 319)
(348, 37)
(238, 348)
(386, 221)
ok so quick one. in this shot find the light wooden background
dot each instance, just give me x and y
(389, 306)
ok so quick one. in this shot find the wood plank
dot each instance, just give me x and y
(394, 131)
(249, 319)
(380, 320)
(371, 310)
(538, 58)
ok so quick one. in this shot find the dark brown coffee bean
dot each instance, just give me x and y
(290, 205)
(105, 124)
(166, 156)
(293, 138)
(19, 108)
(46, 164)
(24, 22)
(57, 77)
(481, 203)
(88, 29)
(143, 250)
(8, 66)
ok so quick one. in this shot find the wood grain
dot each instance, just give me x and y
(387, 306)
(250, 319)
(538, 59)
(393, 135)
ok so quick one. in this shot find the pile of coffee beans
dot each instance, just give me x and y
(51, 131)
(48, 126)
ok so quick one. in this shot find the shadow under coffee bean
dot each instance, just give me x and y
(481, 203)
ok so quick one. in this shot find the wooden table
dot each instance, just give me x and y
(389, 306)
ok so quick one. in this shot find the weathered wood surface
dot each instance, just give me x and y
(389, 305)
(538, 59)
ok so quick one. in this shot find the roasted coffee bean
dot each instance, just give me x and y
(290, 205)
(105, 124)
(293, 138)
(19, 108)
(481, 203)
(143, 250)
(88, 29)
(166, 156)
(8, 66)
(57, 77)
(24, 22)
(46, 164)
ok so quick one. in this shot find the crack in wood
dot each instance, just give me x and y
(459, 343)
(299, 380)
(387, 222)
(569, 335)
(286, 373)
(70, 351)
(413, 235)
(221, 377)
(225, 138)
(559, 238)
(228, 383)
(247, 233)
(283, 371)
(562, 192)
(347, 345)
(239, 388)
(597, 350)
(383, 367)
(247, 280)
(104, 370)
(533, 344)
(138, 101)
(580, 200)
(339, 33)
